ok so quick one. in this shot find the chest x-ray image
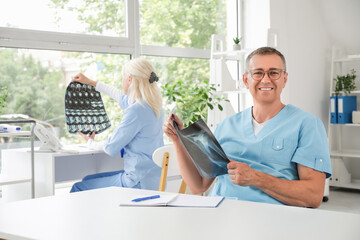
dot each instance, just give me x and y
(203, 148)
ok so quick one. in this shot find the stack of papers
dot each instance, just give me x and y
(176, 200)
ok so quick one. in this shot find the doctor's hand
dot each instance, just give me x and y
(241, 173)
(83, 79)
(86, 137)
(169, 129)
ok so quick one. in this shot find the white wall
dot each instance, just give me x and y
(303, 39)
(342, 18)
(307, 30)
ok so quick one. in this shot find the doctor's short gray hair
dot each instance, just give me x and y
(265, 51)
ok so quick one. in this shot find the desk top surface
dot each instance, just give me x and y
(96, 214)
(74, 149)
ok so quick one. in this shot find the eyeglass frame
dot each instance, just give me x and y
(267, 72)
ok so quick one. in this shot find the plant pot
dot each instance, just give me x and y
(236, 47)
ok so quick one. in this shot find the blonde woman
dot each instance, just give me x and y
(139, 133)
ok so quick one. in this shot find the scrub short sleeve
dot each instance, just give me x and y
(313, 148)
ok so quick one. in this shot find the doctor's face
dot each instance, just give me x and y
(266, 77)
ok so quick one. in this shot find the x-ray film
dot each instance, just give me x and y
(203, 148)
(84, 109)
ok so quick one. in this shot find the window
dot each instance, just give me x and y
(44, 50)
(75, 16)
(181, 23)
(46, 75)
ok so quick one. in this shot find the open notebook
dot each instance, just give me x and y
(176, 200)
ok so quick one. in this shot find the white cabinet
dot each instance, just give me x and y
(226, 69)
(344, 140)
(16, 179)
(53, 167)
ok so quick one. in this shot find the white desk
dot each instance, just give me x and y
(96, 215)
(52, 167)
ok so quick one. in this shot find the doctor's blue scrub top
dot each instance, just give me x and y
(291, 137)
(140, 134)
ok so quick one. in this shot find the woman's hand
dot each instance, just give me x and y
(86, 137)
(169, 129)
(83, 79)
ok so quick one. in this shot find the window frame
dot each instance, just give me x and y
(48, 40)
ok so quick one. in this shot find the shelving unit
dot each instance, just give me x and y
(8, 180)
(344, 153)
(224, 82)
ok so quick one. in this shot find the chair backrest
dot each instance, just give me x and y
(165, 158)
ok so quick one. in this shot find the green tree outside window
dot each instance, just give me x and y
(3, 96)
(32, 88)
(175, 23)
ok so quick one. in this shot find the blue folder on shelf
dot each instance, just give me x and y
(333, 110)
(346, 105)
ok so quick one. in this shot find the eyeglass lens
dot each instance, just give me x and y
(272, 74)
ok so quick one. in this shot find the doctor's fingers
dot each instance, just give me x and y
(233, 165)
(232, 172)
(169, 129)
(169, 125)
(178, 121)
(238, 177)
(235, 178)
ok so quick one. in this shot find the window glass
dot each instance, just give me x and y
(36, 81)
(181, 23)
(75, 16)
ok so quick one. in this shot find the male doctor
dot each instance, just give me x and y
(278, 153)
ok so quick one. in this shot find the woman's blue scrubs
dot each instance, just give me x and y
(140, 134)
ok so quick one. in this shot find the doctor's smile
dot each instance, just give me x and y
(266, 89)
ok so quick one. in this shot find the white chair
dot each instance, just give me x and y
(165, 158)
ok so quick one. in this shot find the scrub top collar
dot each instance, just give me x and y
(270, 125)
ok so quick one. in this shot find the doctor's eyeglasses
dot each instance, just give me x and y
(273, 74)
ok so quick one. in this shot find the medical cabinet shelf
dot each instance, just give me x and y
(7, 180)
(344, 153)
(13, 180)
(231, 55)
(226, 68)
(353, 184)
(16, 134)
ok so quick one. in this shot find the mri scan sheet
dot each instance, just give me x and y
(84, 109)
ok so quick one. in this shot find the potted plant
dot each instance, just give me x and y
(191, 100)
(237, 46)
(345, 83)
